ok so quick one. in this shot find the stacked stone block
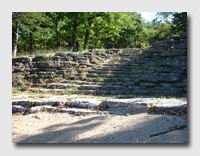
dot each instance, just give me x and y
(160, 69)
(46, 69)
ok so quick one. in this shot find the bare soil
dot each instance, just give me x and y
(137, 127)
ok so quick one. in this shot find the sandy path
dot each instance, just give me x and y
(43, 127)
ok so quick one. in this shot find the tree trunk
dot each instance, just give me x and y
(34, 48)
(31, 43)
(74, 36)
(77, 46)
(57, 37)
(87, 37)
(13, 37)
(16, 37)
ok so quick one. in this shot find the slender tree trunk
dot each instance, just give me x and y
(13, 37)
(16, 37)
(74, 36)
(57, 35)
(77, 46)
(87, 37)
(31, 44)
(34, 48)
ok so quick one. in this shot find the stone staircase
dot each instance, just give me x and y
(130, 74)
(159, 70)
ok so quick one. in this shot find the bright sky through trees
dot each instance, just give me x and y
(148, 16)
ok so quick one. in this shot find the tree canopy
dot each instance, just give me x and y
(83, 30)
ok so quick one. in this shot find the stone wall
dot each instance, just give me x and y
(46, 69)
(163, 66)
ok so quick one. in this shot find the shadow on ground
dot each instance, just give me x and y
(113, 129)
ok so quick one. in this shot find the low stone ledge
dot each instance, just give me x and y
(87, 103)
(22, 59)
(16, 108)
(39, 102)
(171, 104)
(140, 103)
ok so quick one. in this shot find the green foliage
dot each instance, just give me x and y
(179, 21)
(31, 104)
(44, 31)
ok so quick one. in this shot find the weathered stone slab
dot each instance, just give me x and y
(161, 69)
(149, 77)
(16, 108)
(176, 62)
(183, 46)
(88, 53)
(18, 68)
(74, 55)
(22, 59)
(88, 103)
(141, 103)
(171, 104)
(174, 52)
(156, 50)
(39, 102)
(55, 64)
(41, 58)
(39, 108)
(168, 77)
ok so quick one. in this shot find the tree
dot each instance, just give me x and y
(90, 16)
(75, 19)
(179, 21)
(15, 31)
(26, 22)
(56, 17)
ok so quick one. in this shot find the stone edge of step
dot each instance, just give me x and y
(138, 103)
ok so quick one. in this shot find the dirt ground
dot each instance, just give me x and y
(137, 127)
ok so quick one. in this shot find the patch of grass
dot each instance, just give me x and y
(31, 104)
(137, 83)
(72, 87)
(99, 79)
(140, 67)
(158, 85)
(69, 99)
(142, 57)
(16, 89)
(123, 92)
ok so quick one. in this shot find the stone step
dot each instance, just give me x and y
(80, 82)
(62, 110)
(119, 65)
(91, 79)
(79, 103)
(112, 69)
(39, 102)
(85, 87)
(85, 92)
(92, 83)
(105, 90)
(109, 72)
(155, 93)
(108, 75)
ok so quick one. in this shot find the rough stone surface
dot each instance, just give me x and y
(172, 104)
(156, 70)
(39, 101)
(88, 103)
(141, 103)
